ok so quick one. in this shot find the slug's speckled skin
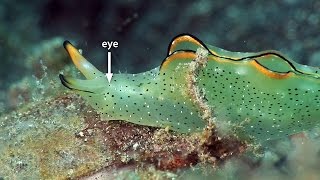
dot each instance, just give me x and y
(264, 95)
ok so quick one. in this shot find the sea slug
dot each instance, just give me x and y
(264, 95)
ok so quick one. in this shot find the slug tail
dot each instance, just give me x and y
(86, 68)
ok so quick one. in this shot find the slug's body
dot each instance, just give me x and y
(264, 95)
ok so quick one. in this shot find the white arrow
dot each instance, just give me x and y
(109, 74)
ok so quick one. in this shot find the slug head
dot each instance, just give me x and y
(155, 98)
(94, 77)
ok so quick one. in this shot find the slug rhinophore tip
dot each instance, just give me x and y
(64, 82)
(86, 68)
(65, 43)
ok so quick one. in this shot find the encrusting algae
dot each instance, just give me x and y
(67, 139)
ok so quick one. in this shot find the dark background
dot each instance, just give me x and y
(145, 28)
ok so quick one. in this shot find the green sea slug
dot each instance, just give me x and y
(261, 95)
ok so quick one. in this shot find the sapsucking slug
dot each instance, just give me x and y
(270, 95)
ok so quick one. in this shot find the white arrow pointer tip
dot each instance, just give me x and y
(109, 76)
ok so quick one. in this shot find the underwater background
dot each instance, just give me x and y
(32, 56)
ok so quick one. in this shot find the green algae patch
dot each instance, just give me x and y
(40, 141)
(67, 158)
